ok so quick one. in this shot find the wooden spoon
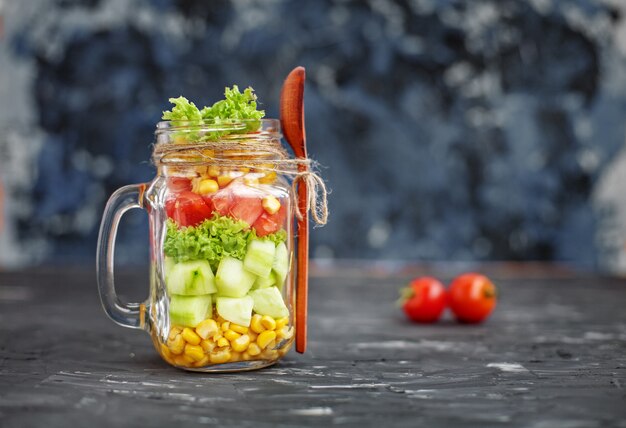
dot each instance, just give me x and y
(292, 124)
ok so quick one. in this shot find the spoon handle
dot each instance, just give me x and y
(292, 123)
(302, 283)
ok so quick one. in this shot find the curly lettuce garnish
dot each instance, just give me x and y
(183, 111)
(212, 240)
(235, 105)
(236, 108)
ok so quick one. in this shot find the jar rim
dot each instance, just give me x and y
(265, 125)
(179, 140)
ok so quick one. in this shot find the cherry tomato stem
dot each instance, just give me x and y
(423, 300)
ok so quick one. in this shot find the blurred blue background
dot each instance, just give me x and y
(448, 130)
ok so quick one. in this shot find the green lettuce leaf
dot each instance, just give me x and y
(235, 107)
(212, 240)
(183, 110)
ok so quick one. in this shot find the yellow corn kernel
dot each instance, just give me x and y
(269, 354)
(207, 345)
(174, 331)
(207, 328)
(183, 360)
(179, 360)
(224, 180)
(253, 349)
(246, 357)
(220, 357)
(177, 344)
(200, 170)
(268, 322)
(225, 326)
(165, 351)
(217, 336)
(205, 186)
(255, 324)
(265, 338)
(281, 322)
(203, 362)
(231, 335)
(194, 352)
(195, 182)
(241, 343)
(271, 204)
(213, 171)
(252, 335)
(190, 336)
(284, 333)
(186, 358)
(235, 356)
(238, 328)
(250, 181)
(223, 342)
(170, 359)
(268, 178)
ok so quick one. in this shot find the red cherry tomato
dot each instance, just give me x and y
(472, 297)
(424, 299)
(187, 209)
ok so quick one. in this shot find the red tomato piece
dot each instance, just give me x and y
(187, 209)
(178, 184)
(221, 201)
(472, 297)
(269, 223)
(424, 299)
(239, 202)
(247, 208)
(208, 201)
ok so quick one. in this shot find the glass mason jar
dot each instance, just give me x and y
(221, 247)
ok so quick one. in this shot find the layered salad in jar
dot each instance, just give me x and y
(226, 252)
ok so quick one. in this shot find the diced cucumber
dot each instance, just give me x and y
(168, 264)
(232, 279)
(281, 264)
(189, 311)
(269, 301)
(235, 309)
(264, 282)
(260, 257)
(192, 278)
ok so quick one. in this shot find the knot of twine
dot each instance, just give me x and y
(262, 154)
(316, 201)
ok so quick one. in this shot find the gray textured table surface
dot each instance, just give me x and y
(553, 354)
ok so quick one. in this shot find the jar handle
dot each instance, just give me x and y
(130, 315)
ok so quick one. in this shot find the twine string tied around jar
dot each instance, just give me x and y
(264, 155)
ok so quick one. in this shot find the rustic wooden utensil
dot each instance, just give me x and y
(292, 124)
